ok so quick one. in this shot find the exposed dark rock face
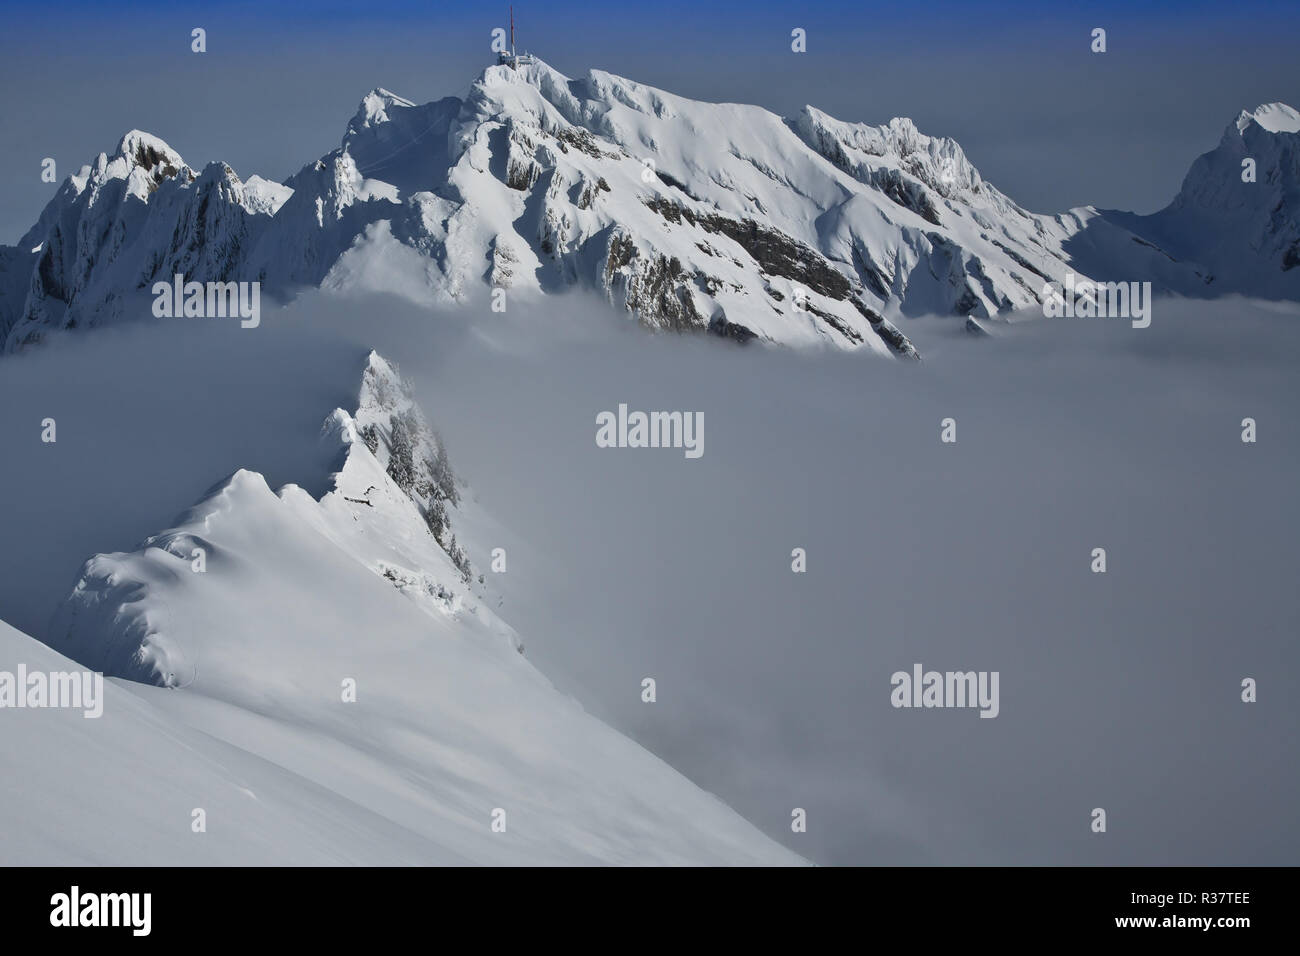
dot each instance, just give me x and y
(779, 255)
(776, 253)
(656, 287)
(872, 277)
(898, 342)
(155, 163)
(907, 193)
(580, 139)
(522, 170)
(719, 326)
(1021, 260)
(968, 302)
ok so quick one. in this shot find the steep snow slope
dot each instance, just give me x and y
(690, 215)
(121, 789)
(392, 504)
(246, 664)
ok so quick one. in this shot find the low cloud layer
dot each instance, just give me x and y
(1118, 690)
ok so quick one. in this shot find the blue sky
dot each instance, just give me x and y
(1050, 123)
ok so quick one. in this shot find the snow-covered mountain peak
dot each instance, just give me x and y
(1272, 117)
(264, 196)
(375, 107)
(383, 391)
(149, 152)
(1235, 216)
(145, 161)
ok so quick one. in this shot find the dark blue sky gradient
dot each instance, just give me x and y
(1047, 121)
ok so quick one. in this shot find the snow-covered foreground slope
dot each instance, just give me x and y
(333, 689)
(689, 215)
(121, 790)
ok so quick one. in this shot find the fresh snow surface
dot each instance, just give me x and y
(1274, 117)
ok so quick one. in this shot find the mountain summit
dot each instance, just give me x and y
(691, 216)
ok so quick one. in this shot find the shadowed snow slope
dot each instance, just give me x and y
(1236, 215)
(253, 619)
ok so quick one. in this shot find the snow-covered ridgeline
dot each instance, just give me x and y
(689, 215)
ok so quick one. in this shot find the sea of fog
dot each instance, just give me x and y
(1119, 690)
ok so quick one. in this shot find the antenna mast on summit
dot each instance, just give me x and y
(513, 59)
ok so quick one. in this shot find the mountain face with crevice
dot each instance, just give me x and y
(689, 216)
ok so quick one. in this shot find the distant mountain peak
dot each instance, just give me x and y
(374, 108)
(147, 151)
(1273, 117)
